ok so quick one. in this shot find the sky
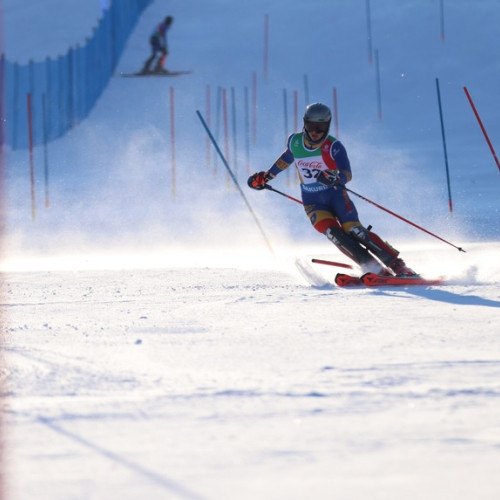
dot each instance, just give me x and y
(152, 344)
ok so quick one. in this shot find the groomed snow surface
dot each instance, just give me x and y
(247, 382)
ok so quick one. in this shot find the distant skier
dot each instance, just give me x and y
(159, 47)
(324, 168)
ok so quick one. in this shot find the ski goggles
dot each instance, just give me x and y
(317, 126)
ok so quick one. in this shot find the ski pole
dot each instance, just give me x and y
(224, 161)
(267, 186)
(403, 219)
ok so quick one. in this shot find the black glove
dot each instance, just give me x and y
(329, 178)
(259, 180)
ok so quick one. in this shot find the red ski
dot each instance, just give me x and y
(372, 279)
(348, 280)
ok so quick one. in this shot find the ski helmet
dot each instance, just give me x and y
(317, 117)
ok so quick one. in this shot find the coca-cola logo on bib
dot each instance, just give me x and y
(310, 164)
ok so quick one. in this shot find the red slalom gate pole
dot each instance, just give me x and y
(482, 127)
(332, 263)
(32, 165)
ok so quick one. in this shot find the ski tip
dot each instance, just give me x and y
(347, 280)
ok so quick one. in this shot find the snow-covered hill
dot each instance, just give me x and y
(153, 345)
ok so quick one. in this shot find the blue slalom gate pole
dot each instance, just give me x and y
(233, 177)
(450, 202)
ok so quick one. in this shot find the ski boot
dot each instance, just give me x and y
(159, 70)
(401, 269)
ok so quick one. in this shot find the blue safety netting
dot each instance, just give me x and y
(63, 91)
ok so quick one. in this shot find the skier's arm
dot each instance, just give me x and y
(339, 154)
(163, 44)
(260, 179)
(161, 34)
(282, 163)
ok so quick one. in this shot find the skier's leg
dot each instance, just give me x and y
(326, 223)
(147, 65)
(350, 247)
(381, 249)
(161, 61)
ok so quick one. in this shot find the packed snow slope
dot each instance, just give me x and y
(153, 344)
(218, 383)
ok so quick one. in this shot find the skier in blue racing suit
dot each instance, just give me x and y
(323, 168)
